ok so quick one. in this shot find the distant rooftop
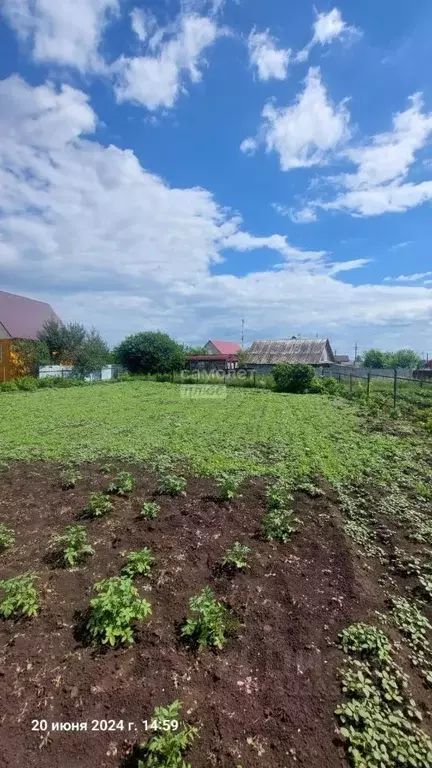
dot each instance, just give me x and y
(309, 351)
(23, 318)
(225, 347)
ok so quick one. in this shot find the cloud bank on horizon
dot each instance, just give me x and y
(185, 170)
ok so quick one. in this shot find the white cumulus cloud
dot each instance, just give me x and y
(66, 32)
(88, 228)
(380, 183)
(268, 60)
(305, 133)
(157, 78)
(327, 28)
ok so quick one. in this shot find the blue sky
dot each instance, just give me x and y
(184, 165)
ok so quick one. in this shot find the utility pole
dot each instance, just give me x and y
(355, 353)
(242, 333)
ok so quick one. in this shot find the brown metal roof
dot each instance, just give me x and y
(309, 351)
(23, 318)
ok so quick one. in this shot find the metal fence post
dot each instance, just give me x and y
(351, 382)
(368, 385)
(254, 378)
(395, 388)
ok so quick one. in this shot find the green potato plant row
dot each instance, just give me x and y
(378, 720)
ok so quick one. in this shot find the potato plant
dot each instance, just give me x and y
(169, 740)
(7, 537)
(279, 495)
(99, 504)
(75, 547)
(278, 525)
(150, 510)
(208, 623)
(116, 605)
(229, 486)
(236, 556)
(138, 563)
(20, 596)
(123, 484)
(69, 478)
(379, 721)
(173, 485)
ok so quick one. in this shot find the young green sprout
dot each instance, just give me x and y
(236, 556)
(7, 537)
(150, 510)
(20, 598)
(75, 545)
(138, 563)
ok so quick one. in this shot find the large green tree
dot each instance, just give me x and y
(151, 352)
(403, 358)
(72, 344)
(63, 341)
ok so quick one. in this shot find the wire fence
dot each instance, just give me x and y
(417, 392)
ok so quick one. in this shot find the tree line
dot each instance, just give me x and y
(146, 352)
(403, 358)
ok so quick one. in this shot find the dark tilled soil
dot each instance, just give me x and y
(266, 699)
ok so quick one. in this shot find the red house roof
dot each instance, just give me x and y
(23, 318)
(226, 347)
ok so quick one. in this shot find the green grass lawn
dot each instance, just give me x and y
(257, 431)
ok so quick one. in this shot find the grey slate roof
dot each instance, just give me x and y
(23, 318)
(309, 351)
(342, 358)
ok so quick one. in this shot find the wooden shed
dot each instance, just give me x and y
(20, 319)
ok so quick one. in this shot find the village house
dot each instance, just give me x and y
(262, 356)
(20, 319)
(219, 356)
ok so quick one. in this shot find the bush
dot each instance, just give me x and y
(138, 563)
(27, 384)
(75, 545)
(7, 537)
(151, 352)
(116, 605)
(317, 387)
(8, 386)
(209, 622)
(169, 741)
(331, 386)
(20, 596)
(293, 378)
(67, 382)
(48, 382)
